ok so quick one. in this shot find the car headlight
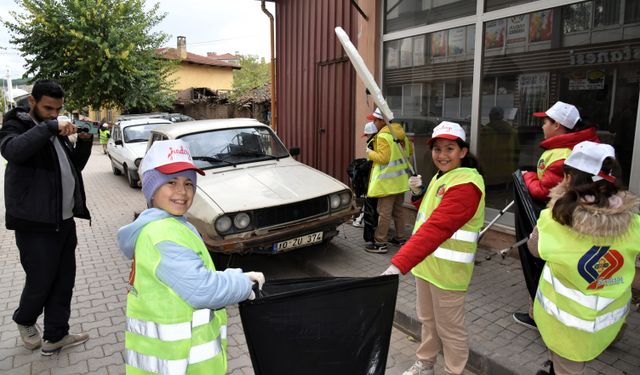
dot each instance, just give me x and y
(334, 201)
(137, 162)
(223, 224)
(345, 198)
(241, 220)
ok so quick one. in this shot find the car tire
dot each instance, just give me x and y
(130, 179)
(116, 171)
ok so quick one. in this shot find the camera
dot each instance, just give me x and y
(83, 129)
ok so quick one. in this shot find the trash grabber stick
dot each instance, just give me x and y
(370, 83)
(502, 212)
(503, 252)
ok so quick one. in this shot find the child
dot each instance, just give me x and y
(589, 238)
(441, 251)
(176, 322)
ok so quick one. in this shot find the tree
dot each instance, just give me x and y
(2, 103)
(101, 51)
(254, 73)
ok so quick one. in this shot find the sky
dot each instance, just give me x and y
(220, 26)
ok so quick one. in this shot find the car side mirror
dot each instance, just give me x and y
(294, 151)
(118, 142)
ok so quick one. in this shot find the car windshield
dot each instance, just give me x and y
(218, 148)
(139, 133)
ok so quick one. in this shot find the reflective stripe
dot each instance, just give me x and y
(597, 303)
(155, 364)
(569, 320)
(164, 332)
(223, 332)
(454, 256)
(465, 235)
(201, 317)
(203, 352)
(392, 164)
(393, 174)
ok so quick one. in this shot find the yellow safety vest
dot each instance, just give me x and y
(584, 292)
(393, 177)
(450, 267)
(164, 334)
(549, 157)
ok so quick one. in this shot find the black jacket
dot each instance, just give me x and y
(32, 180)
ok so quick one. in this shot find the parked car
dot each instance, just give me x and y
(173, 117)
(254, 197)
(127, 145)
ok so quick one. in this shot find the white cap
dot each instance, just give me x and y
(377, 114)
(565, 114)
(370, 128)
(168, 157)
(448, 130)
(588, 156)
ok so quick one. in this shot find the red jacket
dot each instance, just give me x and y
(457, 207)
(553, 175)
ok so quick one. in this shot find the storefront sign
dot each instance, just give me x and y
(494, 34)
(541, 26)
(603, 57)
(590, 80)
(517, 27)
(438, 43)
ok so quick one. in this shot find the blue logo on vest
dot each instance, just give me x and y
(598, 266)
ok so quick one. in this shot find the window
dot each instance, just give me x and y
(404, 14)
(576, 17)
(631, 11)
(606, 13)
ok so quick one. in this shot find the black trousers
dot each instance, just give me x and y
(49, 261)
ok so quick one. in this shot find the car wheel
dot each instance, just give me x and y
(132, 181)
(116, 171)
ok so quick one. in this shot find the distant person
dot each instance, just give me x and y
(43, 193)
(589, 237)
(389, 178)
(176, 321)
(498, 148)
(441, 251)
(105, 133)
(360, 178)
(563, 129)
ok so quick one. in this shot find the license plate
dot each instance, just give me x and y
(301, 241)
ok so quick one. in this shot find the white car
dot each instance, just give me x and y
(127, 146)
(254, 197)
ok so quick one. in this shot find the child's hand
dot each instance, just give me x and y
(256, 277)
(415, 184)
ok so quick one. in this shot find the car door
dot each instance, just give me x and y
(114, 149)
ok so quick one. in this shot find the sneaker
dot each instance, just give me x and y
(377, 248)
(525, 320)
(358, 223)
(30, 336)
(49, 348)
(398, 242)
(419, 368)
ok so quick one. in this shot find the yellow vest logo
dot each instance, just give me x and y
(441, 190)
(598, 266)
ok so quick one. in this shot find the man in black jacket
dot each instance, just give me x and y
(43, 193)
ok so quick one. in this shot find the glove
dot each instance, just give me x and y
(392, 270)
(256, 277)
(415, 184)
(252, 296)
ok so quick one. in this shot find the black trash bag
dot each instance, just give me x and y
(321, 325)
(370, 219)
(358, 171)
(526, 213)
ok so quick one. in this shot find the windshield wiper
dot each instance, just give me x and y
(212, 160)
(256, 154)
(137, 140)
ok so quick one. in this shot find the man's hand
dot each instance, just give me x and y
(256, 277)
(415, 184)
(66, 128)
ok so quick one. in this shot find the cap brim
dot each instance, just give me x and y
(445, 136)
(371, 117)
(178, 167)
(539, 114)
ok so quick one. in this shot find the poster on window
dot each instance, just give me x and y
(517, 27)
(406, 52)
(533, 92)
(457, 41)
(587, 80)
(439, 44)
(494, 34)
(540, 26)
(392, 52)
(471, 39)
(418, 50)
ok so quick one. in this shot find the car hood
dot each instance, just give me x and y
(258, 187)
(138, 149)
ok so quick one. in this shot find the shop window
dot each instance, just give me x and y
(499, 4)
(631, 11)
(576, 17)
(404, 14)
(606, 13)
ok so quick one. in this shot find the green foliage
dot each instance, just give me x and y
(2, 108)
(101, 51)
(254, 73)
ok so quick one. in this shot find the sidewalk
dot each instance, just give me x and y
(498, 344)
